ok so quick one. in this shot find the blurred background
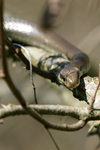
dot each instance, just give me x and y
(81, 27)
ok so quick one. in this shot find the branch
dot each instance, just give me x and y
(13, 110)
(44, 110)
(82, 114)
(75, 112)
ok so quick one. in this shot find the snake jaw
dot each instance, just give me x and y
(70, 76)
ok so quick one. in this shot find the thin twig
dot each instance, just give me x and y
(34, 88)
(41, 115)
(31, 72)
(93, 99)
(53, 139)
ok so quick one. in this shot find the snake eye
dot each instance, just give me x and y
(62, 77)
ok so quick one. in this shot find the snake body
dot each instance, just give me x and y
(30, 33)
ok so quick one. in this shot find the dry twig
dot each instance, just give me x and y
(93, 99)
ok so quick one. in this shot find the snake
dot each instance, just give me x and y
(32, 34)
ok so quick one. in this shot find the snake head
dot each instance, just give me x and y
(70, 76)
